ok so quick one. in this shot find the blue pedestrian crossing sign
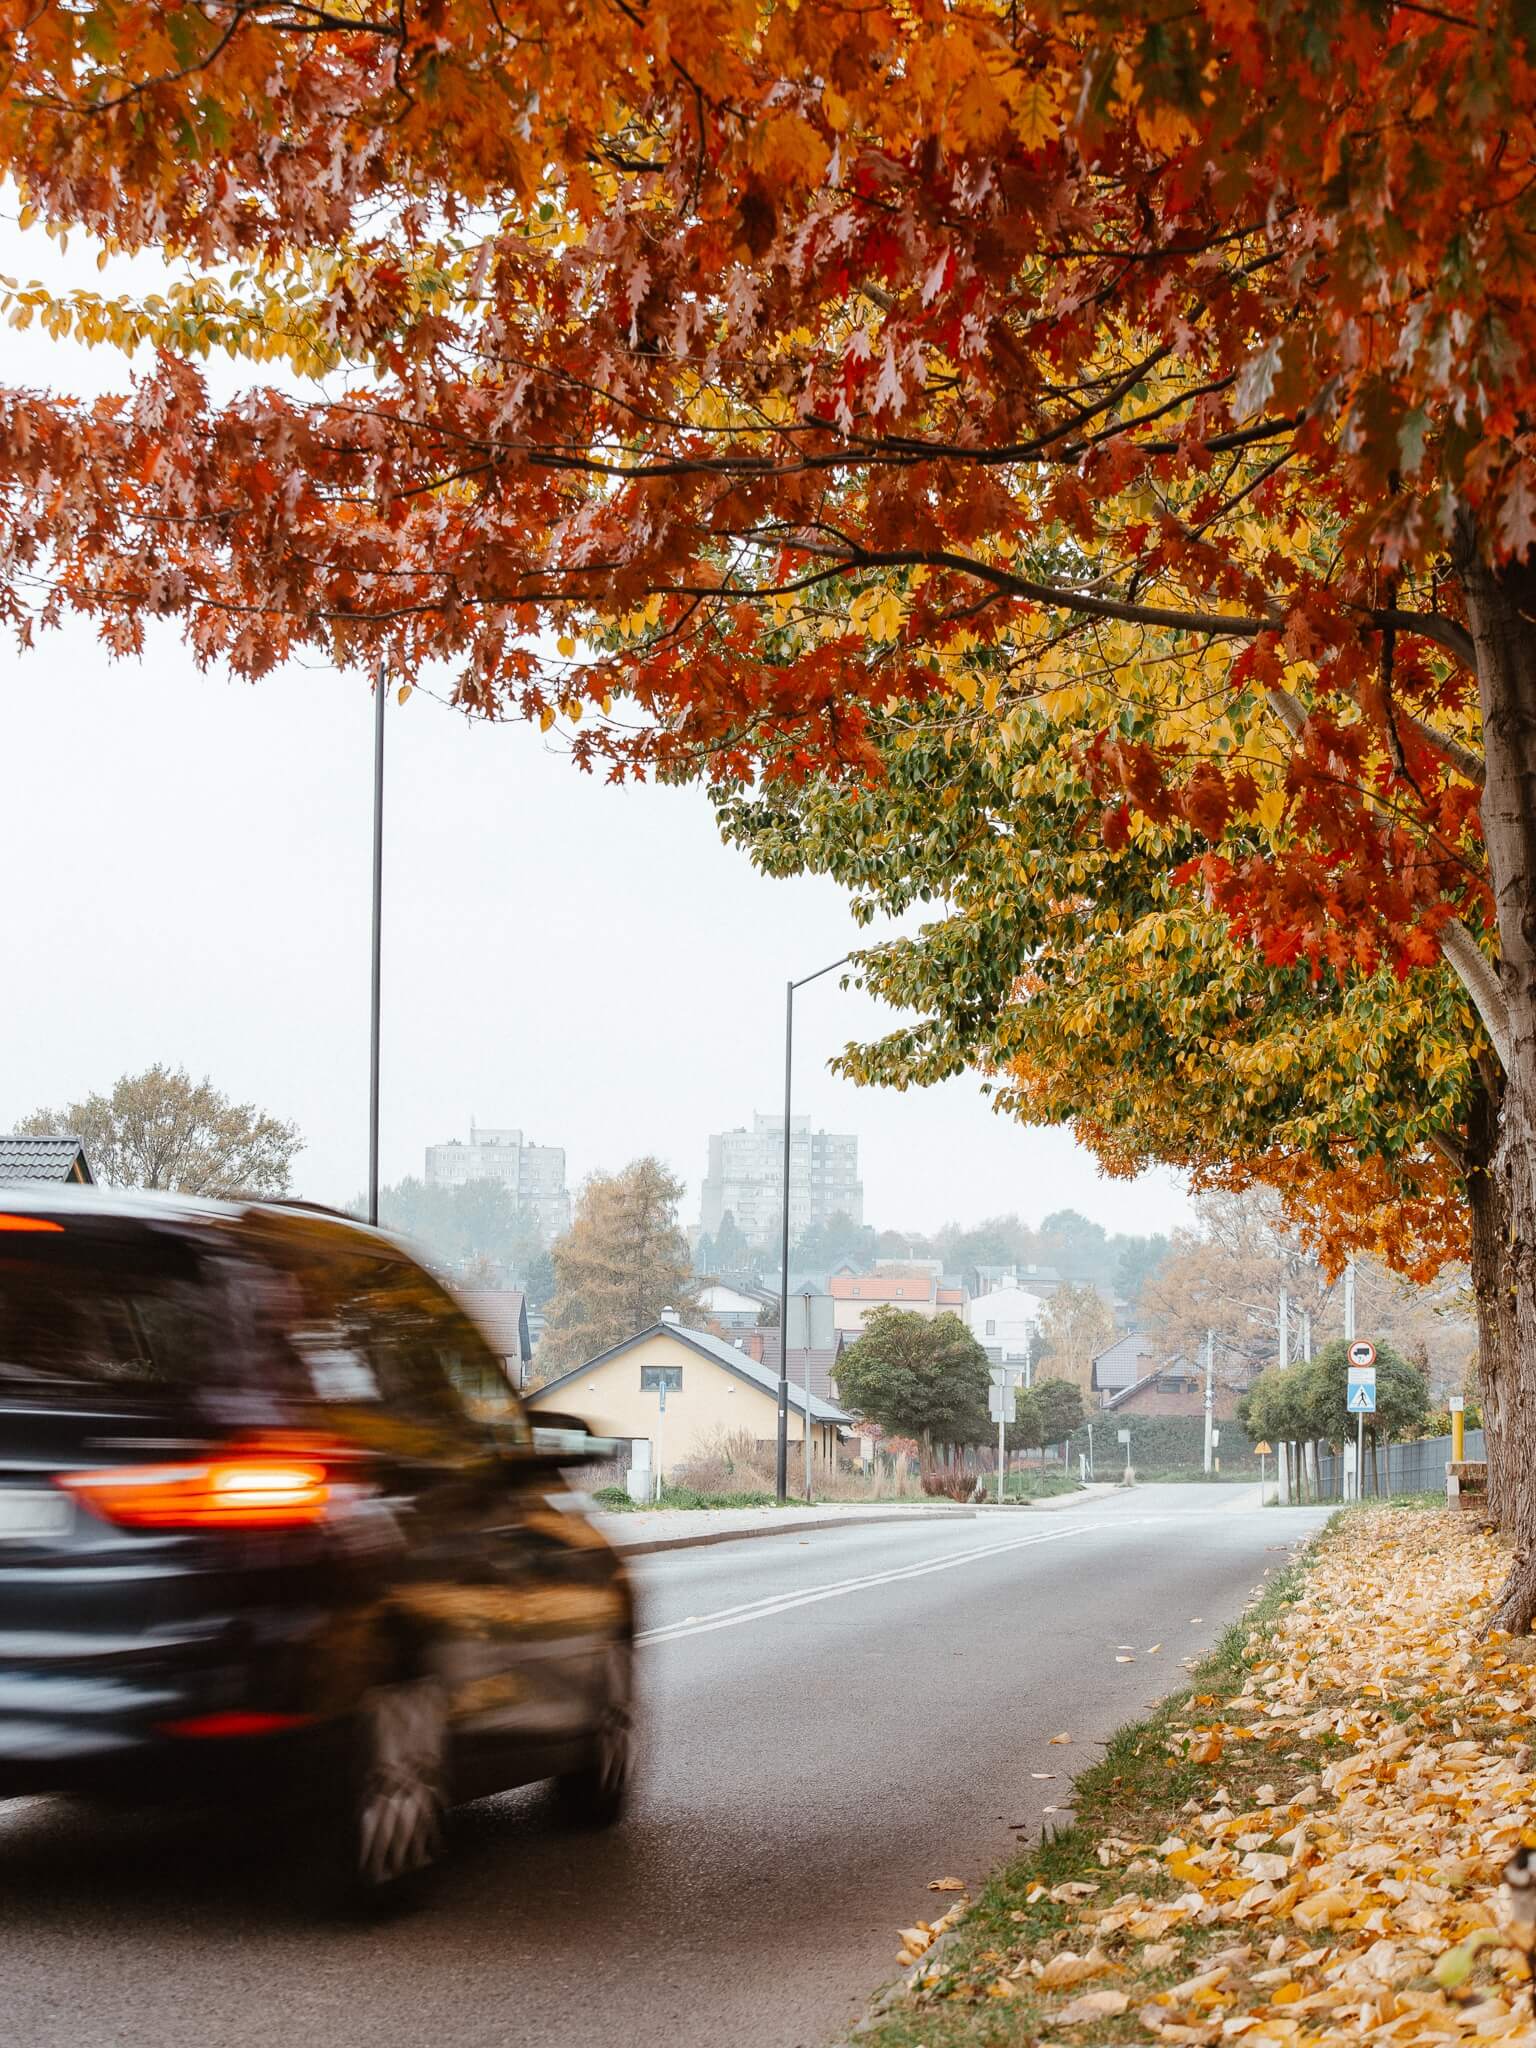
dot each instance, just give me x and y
(1362, 1390)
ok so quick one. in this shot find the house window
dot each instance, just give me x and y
(991, 1329)
(653, 1378)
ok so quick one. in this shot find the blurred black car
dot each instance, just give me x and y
(273, 1525)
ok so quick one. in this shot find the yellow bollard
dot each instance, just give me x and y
(1458, 1433)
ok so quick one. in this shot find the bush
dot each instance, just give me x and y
(947, 1485)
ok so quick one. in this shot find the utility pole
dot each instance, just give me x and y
(380, 689)
(1210, 1396)
(1306, 1334)
(1349, 1302)
(1285, 1329)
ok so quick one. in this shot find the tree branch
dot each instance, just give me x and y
(1480, 978)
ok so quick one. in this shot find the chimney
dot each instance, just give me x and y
(670, 1315)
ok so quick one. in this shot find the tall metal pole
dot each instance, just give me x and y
(781, 1460)
(1306, 1334)
(781, 1470)
(379, 689)
(1349, 1302)
(1285, 1329)
(1210, 1395)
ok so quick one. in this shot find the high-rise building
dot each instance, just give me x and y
(533, 1174)
(746, 1177)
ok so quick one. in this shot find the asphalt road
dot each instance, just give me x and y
(832, 1721)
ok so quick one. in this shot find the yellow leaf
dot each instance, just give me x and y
(402, 695)
(566, 645)
(1035, 120)
(1093, 2005)
(946, 1884)
(1061, 1738)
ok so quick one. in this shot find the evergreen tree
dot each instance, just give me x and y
(918, 1378)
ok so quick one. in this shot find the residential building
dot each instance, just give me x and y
(533, 1174)
(735, 1308)
(746, 1178)
(711, 1388)
(1006, 1321)
(919, 1288)
(501, 1314)
(62, 1159)
(1131, 1374)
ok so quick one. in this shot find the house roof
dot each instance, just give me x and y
(502, 1314)
(1120, 1365)
(52, 1158)
(823, 1357)
(708, 1346)
(1173, 1377)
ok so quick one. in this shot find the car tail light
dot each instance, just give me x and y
(250, 1490)
(233, 1726)
(28, 1223)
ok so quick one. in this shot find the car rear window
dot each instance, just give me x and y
(82, 1307)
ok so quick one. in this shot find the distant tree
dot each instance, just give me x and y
(1136, 1259)
(539, 1280)
(1061, 1409)
(161, 1129)
(1309, 1400)
(704, 1261)
(622, 1262)
(1075, 1327)
(904, 1244)
(733, 1254)
(829, 1244)
(768, 1315)
(473, 1222)
(1026, 1432)
(995, 1241)
(918, 1378)
(1076, 1246)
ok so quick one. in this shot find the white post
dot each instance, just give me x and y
(1349, 1302)
(1283, 1472)
(1285, 1329)
(1210, 1395)
(1002, 1439)
(1306, 1334)
(661, 1416)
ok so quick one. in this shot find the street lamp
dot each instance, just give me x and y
(781, 1472)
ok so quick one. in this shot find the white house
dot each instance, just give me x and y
(1005, 1320)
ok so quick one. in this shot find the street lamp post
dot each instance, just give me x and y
(781, 1472)
(380, 687)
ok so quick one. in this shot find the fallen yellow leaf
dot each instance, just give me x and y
(946, 1884)
(1093, 2005)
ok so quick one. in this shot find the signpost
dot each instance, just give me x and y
(1262, 1450)
(1125, 1437)
(656, 1379)
(1003, 1407)
(1361, 1401)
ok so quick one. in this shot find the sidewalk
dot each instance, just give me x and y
(652, 1529)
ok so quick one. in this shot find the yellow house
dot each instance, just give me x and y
(710, 1387)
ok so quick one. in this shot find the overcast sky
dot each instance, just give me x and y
(187, 864)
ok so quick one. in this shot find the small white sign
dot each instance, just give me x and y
(1124, 1435)
(1003, 1404)
(1362, 1391)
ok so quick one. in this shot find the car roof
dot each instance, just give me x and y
(164, 1207)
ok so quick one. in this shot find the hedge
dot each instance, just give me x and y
(1163, 1443)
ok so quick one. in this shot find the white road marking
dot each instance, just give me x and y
(780, 1603)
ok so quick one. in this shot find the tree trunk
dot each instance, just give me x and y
(1491, 1292)
(1501, 610)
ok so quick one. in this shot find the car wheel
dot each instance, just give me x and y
(389, 1833)
(595, 1794)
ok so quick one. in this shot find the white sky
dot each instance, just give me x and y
(188, 872)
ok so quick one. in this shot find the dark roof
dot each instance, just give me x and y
(53, 1158)
(1119, 1365)
(823, 1357)
(712, 1347)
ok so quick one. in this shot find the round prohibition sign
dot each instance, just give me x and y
(1362, 1353)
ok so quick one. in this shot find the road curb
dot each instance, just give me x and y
(647, 1548)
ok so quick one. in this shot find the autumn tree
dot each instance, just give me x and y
(622, 1262)
(161, 1129)
(1075, 1327)
(917, 1376)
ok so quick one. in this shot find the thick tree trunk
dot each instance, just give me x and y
(1491, 1292)
(1501, 610)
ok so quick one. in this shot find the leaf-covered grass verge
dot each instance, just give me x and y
(1303, 1846)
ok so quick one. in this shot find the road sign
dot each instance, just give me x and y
(1124, 1435)
(1003, 1404)
(1263, 1450)
(1007, 1375)
(1362, 1390)
(1362, 1354)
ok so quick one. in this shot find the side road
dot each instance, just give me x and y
(1306, 1846)
(653, 1529)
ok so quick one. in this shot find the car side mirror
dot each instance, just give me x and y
(566, 1440)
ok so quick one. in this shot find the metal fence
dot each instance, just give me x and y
(1405, 1468)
